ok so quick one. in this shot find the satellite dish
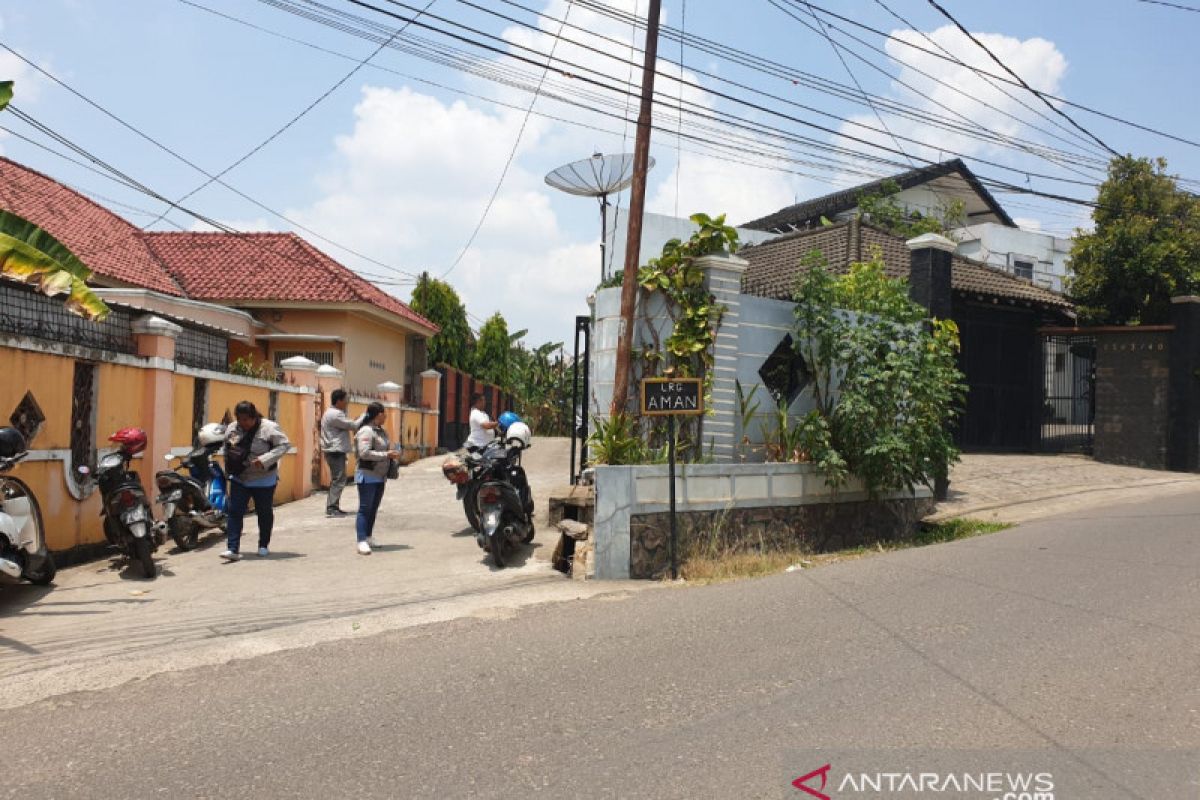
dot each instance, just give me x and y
(598, 176)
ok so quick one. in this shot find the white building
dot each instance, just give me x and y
(1033, 255)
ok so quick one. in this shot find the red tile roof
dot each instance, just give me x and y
(110, 245)
(282, 267)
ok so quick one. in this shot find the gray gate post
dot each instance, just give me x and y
(1183, 440)
(929, 285)
(723, 277)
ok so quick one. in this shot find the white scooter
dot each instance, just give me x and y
(23, 551)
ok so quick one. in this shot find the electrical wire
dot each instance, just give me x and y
(516, 144)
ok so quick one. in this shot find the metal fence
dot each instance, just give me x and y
(201, 349)
(27, 312)
(1069, 396)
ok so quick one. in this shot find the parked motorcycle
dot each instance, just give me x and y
(504, 499)
(23, 551)
(194, 504)
(468, 474)
(128, 523)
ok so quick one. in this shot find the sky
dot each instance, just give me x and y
(392, 170)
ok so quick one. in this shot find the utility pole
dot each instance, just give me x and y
(637, 204)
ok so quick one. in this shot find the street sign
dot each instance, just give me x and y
(663, 397)
(671, 398)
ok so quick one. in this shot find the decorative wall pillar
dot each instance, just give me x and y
(302, 372)
(431, 400)
(929, 286)
(723, 278)
(1183, 437)
(155, 338)
(393, 396)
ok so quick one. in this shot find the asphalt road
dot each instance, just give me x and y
(1075, 634)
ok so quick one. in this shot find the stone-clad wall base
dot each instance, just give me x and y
(814, 528)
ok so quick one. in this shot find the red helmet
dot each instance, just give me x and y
(131, 440)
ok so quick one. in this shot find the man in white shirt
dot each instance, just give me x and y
(481, 424)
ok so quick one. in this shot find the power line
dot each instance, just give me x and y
(304, 112)
(516, 143)
(141, 134)
(1019, 79)
(1179, 6)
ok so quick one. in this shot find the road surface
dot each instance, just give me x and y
(1071, 635)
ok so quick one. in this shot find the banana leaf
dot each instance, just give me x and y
(6, 93)
(31, 255)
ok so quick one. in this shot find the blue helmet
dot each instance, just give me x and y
(506, 419)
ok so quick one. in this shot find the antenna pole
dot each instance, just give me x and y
(603, 235)
(637, 204)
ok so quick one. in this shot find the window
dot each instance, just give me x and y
(784, 373)
(1022, 266)
(323, 357)
(273, 405)
(28, 418)
(199, 405)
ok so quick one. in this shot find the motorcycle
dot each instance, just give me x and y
(468, 474)
(23, 552)
(504, 498)
(128, 522)
(194, 504)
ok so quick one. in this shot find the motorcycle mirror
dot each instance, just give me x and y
(85, 471)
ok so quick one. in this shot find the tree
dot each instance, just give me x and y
(438, 302)
(31, 255)
(492, 352)
(883, 209)
(1145, 248)
(885, 380)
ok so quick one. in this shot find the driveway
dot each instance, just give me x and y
(101, 624)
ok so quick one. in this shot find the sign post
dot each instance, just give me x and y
(670, 398)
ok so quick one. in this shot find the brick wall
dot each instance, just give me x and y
(1132, 398)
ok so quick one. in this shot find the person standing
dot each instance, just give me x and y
(253, 449)
(481, 424)
(335, 444)
(374, 452)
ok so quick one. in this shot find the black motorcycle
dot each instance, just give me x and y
(504, 502)
(469, 474)
(128, 524)
(194, 503)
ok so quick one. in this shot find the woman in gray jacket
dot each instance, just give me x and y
(253, 448)
(375, 453)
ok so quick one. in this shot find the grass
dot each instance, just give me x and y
(705, 569)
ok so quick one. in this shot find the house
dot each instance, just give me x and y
(987, 233)
(264, 296)
(306, 303)
(998, 315)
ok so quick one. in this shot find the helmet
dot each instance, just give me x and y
(506, 419)
(131, 440)
(210, 434)
(519, 435)
(11, 442)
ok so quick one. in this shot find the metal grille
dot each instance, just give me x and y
(83, 404)
(27, 312)
(199, 405)
(1069, 405)
(201, 349)
(323, 357)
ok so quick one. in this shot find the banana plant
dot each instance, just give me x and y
(31, 255)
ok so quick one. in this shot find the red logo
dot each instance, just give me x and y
(801, 783)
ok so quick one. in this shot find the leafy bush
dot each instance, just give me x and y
(886, 383)
(617, 441)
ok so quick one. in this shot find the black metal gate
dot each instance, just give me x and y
(580, 403)
(1068, 412)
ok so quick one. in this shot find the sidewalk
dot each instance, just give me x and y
(1016, 488)
(101, 624)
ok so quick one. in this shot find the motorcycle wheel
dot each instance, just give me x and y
(184, 532)
(144, 553)
(496, 548)
(471, 511)
(45, 575)
(528, 537)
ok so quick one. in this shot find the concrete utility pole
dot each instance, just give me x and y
(637, 204)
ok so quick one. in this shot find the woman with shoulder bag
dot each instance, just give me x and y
(377, 461)
(253, 448)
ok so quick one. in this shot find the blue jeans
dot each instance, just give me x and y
(370, 496)
(239, 500)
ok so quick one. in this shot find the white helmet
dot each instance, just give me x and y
(518, 435)
(210, 434)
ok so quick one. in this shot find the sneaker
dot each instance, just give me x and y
(371, 541)
(336, 512)
(229, 555)
(262, 552)
(364, 549)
